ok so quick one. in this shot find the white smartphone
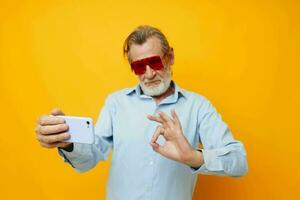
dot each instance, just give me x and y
(81, 129)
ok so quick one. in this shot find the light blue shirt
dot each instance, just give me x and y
(138, 172)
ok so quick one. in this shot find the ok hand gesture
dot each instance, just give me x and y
(176, 146)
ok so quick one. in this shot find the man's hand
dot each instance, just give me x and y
(51, 131)
(176, 146)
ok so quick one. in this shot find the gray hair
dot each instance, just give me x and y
(140, 36)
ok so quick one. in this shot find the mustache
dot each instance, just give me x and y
(151, 81)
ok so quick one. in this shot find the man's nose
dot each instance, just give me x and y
(149, 72)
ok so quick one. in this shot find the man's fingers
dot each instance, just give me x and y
(156, 147)
(166, 119)
(49, 139)
(154, 118)
(51, 129)
(55, 145)
(162, 118)
(175, 117)
(50, 120)
(159, 149)
(159, 131)
(57, 111)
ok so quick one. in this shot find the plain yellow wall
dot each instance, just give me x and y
(242, 55)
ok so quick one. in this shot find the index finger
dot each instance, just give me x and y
(166, 119)
(175, 117)
(57, 111)
(155, 118)
(50, 120)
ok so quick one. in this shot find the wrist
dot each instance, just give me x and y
(196, 159)
(68, 148)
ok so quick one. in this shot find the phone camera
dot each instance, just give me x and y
(88, 122)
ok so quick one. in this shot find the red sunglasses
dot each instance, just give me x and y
(139, 66)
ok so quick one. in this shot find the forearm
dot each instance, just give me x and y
(85, 156)
(80, 158)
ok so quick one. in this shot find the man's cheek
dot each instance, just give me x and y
(141, 78)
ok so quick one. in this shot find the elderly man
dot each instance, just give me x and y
(154, 130)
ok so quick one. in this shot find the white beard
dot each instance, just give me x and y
(160, 89)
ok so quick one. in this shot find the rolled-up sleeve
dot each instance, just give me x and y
(223, 155)
(86, 156)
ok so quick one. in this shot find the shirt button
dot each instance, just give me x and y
(148, 188)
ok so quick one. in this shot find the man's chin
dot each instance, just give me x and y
(154, 91)
(149, 91)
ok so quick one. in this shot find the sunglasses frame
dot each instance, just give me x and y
(139, 66)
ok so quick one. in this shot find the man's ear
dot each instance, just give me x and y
(171, 56)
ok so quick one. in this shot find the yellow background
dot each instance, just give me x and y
(242, 55)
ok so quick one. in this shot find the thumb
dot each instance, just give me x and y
(57, 111)
(156, 147)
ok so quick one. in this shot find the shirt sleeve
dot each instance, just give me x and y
(223, 155)
(86, 156)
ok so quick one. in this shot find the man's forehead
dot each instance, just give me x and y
(149, 48)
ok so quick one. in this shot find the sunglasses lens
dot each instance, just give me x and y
(156, 63)
(138, 68)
